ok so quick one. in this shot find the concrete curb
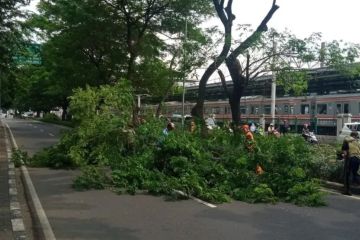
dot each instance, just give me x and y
(340, 187)
(333, 185)
(47, 231)
(17, 221)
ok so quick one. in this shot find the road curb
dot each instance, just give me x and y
(47, 232)
(333, 185)
(17, 221)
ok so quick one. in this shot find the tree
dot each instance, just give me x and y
(10, 43)
(147, 19)
(99, 42)
(290, 60)
(198, 109)
(227, 17)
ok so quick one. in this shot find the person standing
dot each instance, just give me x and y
(169, 127)
(285, 128)
(351, 152)
(250, 146)
(192, 126)
(271, 129)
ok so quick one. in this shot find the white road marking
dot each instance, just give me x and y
(35, 127)
(52, 135)
(17, 224)
(195, 199)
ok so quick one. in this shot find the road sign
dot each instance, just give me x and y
(29, 55)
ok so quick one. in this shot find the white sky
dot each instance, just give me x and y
(335, 19)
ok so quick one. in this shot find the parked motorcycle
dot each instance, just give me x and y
(311, 138)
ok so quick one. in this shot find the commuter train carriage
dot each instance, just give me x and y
(319, 111)
(329, 94)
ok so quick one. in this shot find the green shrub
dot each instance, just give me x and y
(51, 117)
(306, 193)
(325, 165)
(91, 178)
(52, 157)
(19, 157)
(215, 167)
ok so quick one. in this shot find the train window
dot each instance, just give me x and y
(216, 110)
(277, 109)
(267, 109)
(346, 108)
(322, 108)
(286, 108)
(254, 110)
(208, 110)
(338, 108)
(227, 110)
(243, 110)
(305, 109)
(291, 109)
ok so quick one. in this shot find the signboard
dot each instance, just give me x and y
(29, 55)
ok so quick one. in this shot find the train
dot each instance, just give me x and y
(319, 111)
(329, 94)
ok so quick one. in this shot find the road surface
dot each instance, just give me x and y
(106, 215)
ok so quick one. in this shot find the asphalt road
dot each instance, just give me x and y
(105, 215)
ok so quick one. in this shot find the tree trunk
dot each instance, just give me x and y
(64, 112)
(227, 17)
(235, 107)
(239, 84)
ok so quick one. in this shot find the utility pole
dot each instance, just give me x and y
(322, 55)
(273, 86)
(184, 78)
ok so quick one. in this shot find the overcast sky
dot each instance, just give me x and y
(335, 19)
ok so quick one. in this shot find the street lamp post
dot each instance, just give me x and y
(183, 93)
(273, 87)
(139, 99)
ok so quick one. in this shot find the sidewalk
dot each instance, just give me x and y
(5, 216)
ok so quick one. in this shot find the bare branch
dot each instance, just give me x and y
(247, 69)
(223, 83)
(255, 35)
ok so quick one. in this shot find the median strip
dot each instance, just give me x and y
(17, 222)
(41, 215)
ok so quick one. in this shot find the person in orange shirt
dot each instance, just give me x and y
(250, 144)
(249, 138)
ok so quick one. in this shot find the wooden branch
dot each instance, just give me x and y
(247, 76)
(255, 35)
(227, 18)
(223, 83)
(238, 67)
(256, 74)
(228, 10)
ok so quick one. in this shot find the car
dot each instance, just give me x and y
(178, 117)
(27, 114)
(347, 129)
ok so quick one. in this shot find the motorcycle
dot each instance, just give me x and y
(311, 138)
